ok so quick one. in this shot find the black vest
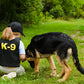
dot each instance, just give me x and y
(9, 53)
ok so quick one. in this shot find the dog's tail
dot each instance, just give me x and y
(62, 52)
(76, 60)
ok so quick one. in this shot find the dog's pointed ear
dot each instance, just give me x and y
(28, 54)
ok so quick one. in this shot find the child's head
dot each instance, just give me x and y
(14, 28)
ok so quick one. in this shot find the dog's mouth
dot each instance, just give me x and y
(28, 56)
(32, 64)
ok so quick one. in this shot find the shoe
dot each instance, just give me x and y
(9, 76)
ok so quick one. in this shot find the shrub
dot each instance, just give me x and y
(33, 10)
(57, 11)
(21, 10)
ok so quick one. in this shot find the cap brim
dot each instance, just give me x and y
(22, 34)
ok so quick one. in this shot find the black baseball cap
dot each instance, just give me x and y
(16, 27)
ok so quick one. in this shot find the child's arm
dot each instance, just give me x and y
(22, 51)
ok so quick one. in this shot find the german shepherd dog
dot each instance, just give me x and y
(57, 43)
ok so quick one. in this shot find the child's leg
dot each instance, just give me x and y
(12, 72)
(20, 70)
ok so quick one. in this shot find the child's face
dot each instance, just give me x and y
(17, 35)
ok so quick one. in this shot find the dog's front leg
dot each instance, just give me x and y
(36, 61)
(36, 65)
(52, 65)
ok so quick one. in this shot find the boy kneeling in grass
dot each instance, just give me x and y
(12, 50)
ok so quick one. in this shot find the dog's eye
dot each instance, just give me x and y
(28, 51)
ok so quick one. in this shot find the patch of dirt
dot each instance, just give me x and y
(73, 35)
(79, 37)
(78, 31)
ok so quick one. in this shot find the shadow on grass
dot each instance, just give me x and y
(44, 73)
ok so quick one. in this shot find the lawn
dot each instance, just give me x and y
(74, 28)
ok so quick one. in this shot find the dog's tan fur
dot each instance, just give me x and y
(66, 69)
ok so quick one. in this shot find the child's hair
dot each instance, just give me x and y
(7, 34)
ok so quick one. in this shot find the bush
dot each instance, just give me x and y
(72, 8)
(57, 11)
(78, 13)
(21, 10)
(33, 10)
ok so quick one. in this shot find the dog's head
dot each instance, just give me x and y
(29, 54)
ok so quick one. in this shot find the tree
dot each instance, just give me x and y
(70, 6)
(63, 7)
(20, 10)
(33, 9)
(8, 10)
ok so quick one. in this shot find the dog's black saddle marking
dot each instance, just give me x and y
(47, 43)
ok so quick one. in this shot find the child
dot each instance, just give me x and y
(12, 50)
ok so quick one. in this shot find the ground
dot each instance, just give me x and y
(74, 28)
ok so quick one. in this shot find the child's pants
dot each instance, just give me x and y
(19, 70)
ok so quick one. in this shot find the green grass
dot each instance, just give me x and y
(75, 29)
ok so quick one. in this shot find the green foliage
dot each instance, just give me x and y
(9, 9)
(69, 8)
(67, 5)
(21, 10)
(57, 11)
(49, 4)
(72, 8)
(75, 9)
(33, 10)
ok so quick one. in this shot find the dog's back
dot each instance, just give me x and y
(50, 42)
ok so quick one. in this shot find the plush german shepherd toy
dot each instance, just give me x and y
(57, 43)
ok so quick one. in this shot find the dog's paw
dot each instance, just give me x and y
(53, 74)
(36, 71)
(60, 80)
(58, 76)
